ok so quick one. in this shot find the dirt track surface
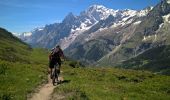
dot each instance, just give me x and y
(45, 91)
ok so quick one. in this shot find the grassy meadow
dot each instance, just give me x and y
(22, 68)
(20, 79)
(111, 84)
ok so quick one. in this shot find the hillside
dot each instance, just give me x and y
(12, 49)
(155, 59)
(153, 31)
(111, 84)
(21, 67)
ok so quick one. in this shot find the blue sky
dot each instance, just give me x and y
(25, 15)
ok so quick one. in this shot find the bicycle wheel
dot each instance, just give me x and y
(54, 77)
(57, 76)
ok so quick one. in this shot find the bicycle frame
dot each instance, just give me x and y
(55, 74)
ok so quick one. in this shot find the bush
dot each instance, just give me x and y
(76, 64)
(3, 68)
(5, 96)
(73, 64)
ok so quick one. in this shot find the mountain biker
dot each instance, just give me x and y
(54, 58)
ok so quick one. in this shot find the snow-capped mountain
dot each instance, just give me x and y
(116, 39)
(16, 34)
(98, 12)
(72, 26)
(94, 14)
(91, 24)
(87, 19)
(103, 36)
(24, 36)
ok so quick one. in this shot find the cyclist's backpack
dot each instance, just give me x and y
(55, 53)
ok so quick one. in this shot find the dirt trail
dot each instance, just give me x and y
(45, 91)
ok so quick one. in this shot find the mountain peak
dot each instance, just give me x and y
(69, 17)
(95, 6)
(98, 12)
(149, 8)
(70, 14)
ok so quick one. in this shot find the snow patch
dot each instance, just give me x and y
(146, 38)
(73, 35)
(129, 12)
(150, 37)
(27, 34)
(142, 13)
(137, 22)
(168, 1)
(160, 26)
(40, 29)
(115, 25)
(126, 18)
(155, 37)
(124, 21)
(166, 18)
(83, 26)
(16, 34)
(99, 12)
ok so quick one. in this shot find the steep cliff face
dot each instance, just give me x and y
(104, 36)
(152, 32)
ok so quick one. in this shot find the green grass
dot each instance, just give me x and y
(22, 68)
(112, 84)
(20, 79)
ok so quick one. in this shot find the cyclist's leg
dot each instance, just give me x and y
(59, 63)
(51, 68)
(58, 71)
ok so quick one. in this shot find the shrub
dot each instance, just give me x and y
(3, 68)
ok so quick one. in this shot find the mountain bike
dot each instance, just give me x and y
(55, 74)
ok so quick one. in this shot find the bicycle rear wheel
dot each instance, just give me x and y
(54, 77)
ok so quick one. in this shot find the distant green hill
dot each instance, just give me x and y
(155, 59)
(11, 48)
(21, 67)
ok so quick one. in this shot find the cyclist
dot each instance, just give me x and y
(54, 58)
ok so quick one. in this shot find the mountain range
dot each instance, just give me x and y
(72, 26)
(105, 37)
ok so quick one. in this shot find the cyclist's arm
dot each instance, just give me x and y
(62, 54)
(50, 56)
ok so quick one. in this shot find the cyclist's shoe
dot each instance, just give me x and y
(59, 82)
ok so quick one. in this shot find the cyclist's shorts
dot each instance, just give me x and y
(52, 63)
